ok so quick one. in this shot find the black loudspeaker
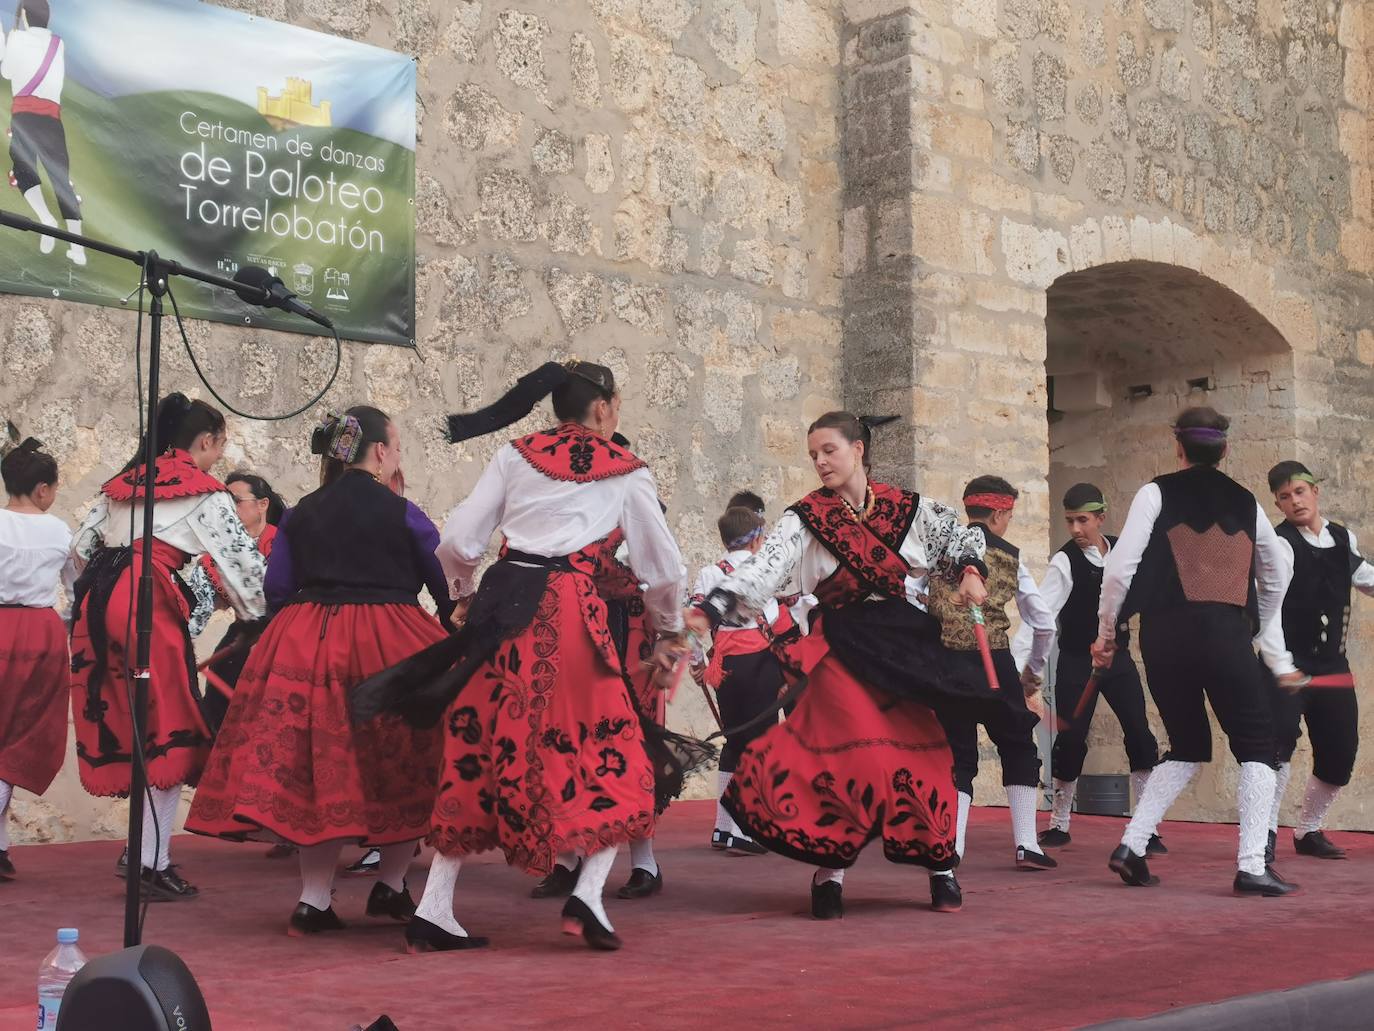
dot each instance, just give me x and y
(146, 988)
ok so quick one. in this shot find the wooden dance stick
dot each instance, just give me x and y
(1332, 680)
(710, 704)
(980, 633)
(1089, 690)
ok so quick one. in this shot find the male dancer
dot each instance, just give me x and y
(989, 502)
(1316, 615)
(1199, 561)
(1072, 589)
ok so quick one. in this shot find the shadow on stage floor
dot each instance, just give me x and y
(730, 942)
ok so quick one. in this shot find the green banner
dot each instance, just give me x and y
(220, 140)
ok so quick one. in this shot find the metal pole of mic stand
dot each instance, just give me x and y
(155, 271)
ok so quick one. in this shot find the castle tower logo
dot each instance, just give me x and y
(294, 106)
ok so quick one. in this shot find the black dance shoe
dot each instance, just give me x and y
(1271, 848)
(1028, 859)
(387, 901)
(1131, 868)
(945, 894)
(1317, 845)
(7, 870)
(367, 865)
(1266, 885)
(281, 850)
(719, 838)
(167, 886)
(559, 884)
(306, 919)
(641, 884)
(423, 936)
(122, 864)
(1156, 847)
(740, 846)
(1053, 837)
(827, 900)
(578, 918)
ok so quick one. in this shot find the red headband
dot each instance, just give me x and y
(996, 502)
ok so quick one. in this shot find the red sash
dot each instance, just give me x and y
(575, 454)
(175, 475)
(868, 549)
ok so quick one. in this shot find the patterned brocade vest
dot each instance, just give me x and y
(956, 625)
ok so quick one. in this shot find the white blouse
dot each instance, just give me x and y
(206, 523)
(713, 576)
(34, 549)
(543, 516)
(793, 561)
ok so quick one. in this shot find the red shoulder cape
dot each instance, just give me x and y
(175, 475)
(575, 454)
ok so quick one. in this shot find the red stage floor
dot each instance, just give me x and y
(731, 939)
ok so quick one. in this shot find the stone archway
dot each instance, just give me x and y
(1129, 344)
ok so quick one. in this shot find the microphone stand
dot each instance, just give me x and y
(155, 270)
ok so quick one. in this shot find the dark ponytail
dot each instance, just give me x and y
(180, 421)
(26, 468)
(340, 440)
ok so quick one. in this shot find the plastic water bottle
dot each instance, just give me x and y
(55, 974)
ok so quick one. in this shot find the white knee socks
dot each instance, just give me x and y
(642, 855)
(157, 840)
(822, 875)
(1021, 799)
(391, 871)
(6, 790)
(1315, 805)
(436, 905)
(1061, 809)
(723, 820)
(1139, 778)
(1255, 801)
(318, 863)
(590, 882)
(1281, 776)
(961, 824)
(1166, 783)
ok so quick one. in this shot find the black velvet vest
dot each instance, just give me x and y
(1316, 610)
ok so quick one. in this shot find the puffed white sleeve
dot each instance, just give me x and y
(1054, 591)
(1123, 560)
(1272, 644)
(89, 537)
(654, 554)
(468, 529)
(743, 595)
(240, 564)
(1362, 573)
(949, 545)
(1036, 614)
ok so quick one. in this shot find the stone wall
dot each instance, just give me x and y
(652, 184)
(1038, 138)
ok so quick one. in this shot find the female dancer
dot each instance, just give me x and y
(288, 765)
(545, 753)
(34, 675)
(862, 756)
(193, 514)
(260, 510)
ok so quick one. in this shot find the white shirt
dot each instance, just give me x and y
(1054, 590)
(793, 561)
(713, 576)
(24, 53)
(34, 549)
(547, 517)
(1271, 642)
(1036, 617)
(1273, 565)
(205, 523)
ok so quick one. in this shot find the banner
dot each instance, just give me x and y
(217, 139)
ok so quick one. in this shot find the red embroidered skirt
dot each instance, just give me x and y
(35, 680)
(850, 764)
(288, 762)
(176, 739)
(543, 751)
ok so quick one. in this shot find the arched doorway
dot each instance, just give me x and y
(1129, 344)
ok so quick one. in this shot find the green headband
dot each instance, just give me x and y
(1091, 506)
(1305, 477)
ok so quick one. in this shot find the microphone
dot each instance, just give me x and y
(260, 287)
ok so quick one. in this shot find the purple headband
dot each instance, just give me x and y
(746, 540)
(1200, 434)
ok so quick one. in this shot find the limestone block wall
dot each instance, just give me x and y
(1037, 138)
(652, 184)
